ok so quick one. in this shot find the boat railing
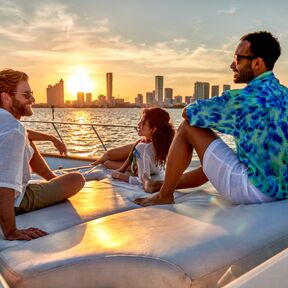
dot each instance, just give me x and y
(93, 126)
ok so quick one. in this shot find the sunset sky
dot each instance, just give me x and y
(183, 40)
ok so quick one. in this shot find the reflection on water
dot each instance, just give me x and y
(81, 140)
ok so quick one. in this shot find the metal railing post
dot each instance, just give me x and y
(99, 137)
(53, 124)
(92, 125)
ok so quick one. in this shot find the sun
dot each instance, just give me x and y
(80, 81)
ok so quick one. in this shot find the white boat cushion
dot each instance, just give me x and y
(191, 243)
(95, 200)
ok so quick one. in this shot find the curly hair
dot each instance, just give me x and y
(9, 79)
(263, 44)
(160, 119)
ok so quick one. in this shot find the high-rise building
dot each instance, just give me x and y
(80, 98)
(226, 87)
(102, 102)
(159, 82)
(215, 90)
(150, 98)
(109, 86)
(178, 99)
(201, 90)
(55, 94)
(188, 99)
(139, 100)
(88, 99)
(168, 96)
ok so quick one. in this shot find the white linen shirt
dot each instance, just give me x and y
(146, 163)
(16, 153)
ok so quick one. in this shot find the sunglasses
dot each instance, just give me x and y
(28, 94)
(238, 57)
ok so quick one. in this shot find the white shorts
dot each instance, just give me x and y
(229, 176)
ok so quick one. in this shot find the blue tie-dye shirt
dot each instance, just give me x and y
(257, 117)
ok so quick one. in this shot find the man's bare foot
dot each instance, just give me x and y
(151, 186)
(154, 200)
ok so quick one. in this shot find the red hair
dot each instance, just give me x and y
(9, 80)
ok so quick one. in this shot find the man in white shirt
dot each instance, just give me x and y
(19, 156)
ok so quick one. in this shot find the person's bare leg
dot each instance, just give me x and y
(113, 165)
(70, 184)
(189, 179)
(149, 185)
(115, 154)
(40, 166)
(179, 157)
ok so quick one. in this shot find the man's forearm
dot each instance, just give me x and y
(39, 136)
(7, 213)
(8, 221)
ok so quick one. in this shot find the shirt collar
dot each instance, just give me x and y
(266, 76)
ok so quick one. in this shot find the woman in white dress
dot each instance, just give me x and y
(148, 155)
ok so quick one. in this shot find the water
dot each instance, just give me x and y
(81, 140)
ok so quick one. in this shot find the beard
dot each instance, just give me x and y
(19, 109)
(245, 75)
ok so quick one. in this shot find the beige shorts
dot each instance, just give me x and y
(40, 195)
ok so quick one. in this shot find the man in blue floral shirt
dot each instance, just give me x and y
(256, 116)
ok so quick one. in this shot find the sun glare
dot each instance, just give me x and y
(80, 81)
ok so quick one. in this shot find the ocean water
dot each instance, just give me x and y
(82, 140)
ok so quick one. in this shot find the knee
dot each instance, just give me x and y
(79, 179)
(70, 184)
(76, 182)
(108, 155)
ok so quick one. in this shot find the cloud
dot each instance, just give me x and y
(231, 10)
(52, 16)
(54, 40)
(7, 8)
(102, 25)
(45, 20)
(179, 40)
(54, 32)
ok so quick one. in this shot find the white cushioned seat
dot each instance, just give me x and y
(189, 244)
(95, 200)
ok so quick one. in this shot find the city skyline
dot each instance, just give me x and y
(158, 89)
(161, 95)
(186, 41)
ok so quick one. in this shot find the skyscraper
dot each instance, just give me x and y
(80, 98)
(139, 100)
(226, 87)
(159, 80)
(109, 86)
(215, 90)
(102, 101)
(201, 90)
(55, 94)
(150, 98)
(178, 99)
(188, 99)
(88, 98)
(168, 93)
